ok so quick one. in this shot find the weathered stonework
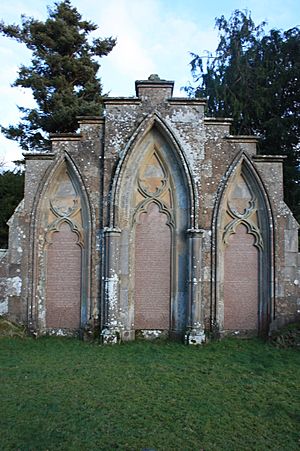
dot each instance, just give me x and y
(153, 221)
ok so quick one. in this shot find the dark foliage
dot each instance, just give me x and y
(62, 75)
(254, 78)
(11, 193)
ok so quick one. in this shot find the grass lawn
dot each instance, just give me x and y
(64, 394)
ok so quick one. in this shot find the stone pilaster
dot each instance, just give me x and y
(111, 331)
(195, 330)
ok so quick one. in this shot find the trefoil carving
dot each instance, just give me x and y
(64, 213)
(243, 218)
(153, 186)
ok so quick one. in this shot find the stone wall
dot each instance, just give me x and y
(152, 152)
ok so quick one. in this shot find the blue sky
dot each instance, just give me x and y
(154, 36)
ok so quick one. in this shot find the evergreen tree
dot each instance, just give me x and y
(62, 74)
(254, 78)
(11, 193)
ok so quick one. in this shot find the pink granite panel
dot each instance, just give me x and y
(63, 280)
(152, 270)
(241, 282)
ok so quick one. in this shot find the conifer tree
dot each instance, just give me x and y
(11, 192)
(62, 75)
(254, 78)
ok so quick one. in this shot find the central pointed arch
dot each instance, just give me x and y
(153, 205)
(153, 122)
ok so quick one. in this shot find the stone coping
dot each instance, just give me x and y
(90, 119)
(138, 100)
(39, 155)
(122, 100)
(242, 138)
(186, 100)
(218, 121)
(269, 158)
(65, 136)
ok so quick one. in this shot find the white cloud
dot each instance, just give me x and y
(151, 39)
(154, 36)
(9, 152)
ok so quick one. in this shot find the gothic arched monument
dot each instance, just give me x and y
(153, 220)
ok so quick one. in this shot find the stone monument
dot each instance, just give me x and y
(152, 221)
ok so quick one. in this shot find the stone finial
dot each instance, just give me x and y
(154, 77)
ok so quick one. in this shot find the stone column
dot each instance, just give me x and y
(195, 330)
(111, 333)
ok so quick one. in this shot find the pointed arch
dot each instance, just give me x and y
(151, 122)
(152, 181)
(61, 217)
(242, 203)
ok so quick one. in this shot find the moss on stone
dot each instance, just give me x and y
(10, 329)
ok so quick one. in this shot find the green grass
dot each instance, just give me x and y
(64, 394)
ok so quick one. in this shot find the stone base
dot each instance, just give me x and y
(110, 336)
(195, 337)
(127, 335)
(239, 333)
(151, 334)
(60, 332)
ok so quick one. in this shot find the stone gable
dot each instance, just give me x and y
(153, 220)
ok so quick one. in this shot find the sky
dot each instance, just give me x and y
(153, 37)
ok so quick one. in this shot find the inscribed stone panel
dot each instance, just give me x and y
(241, 282)
(152, 270)
(63, 280)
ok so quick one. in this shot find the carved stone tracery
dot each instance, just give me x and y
(64, 213)
(243, 218)
(153, 185)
